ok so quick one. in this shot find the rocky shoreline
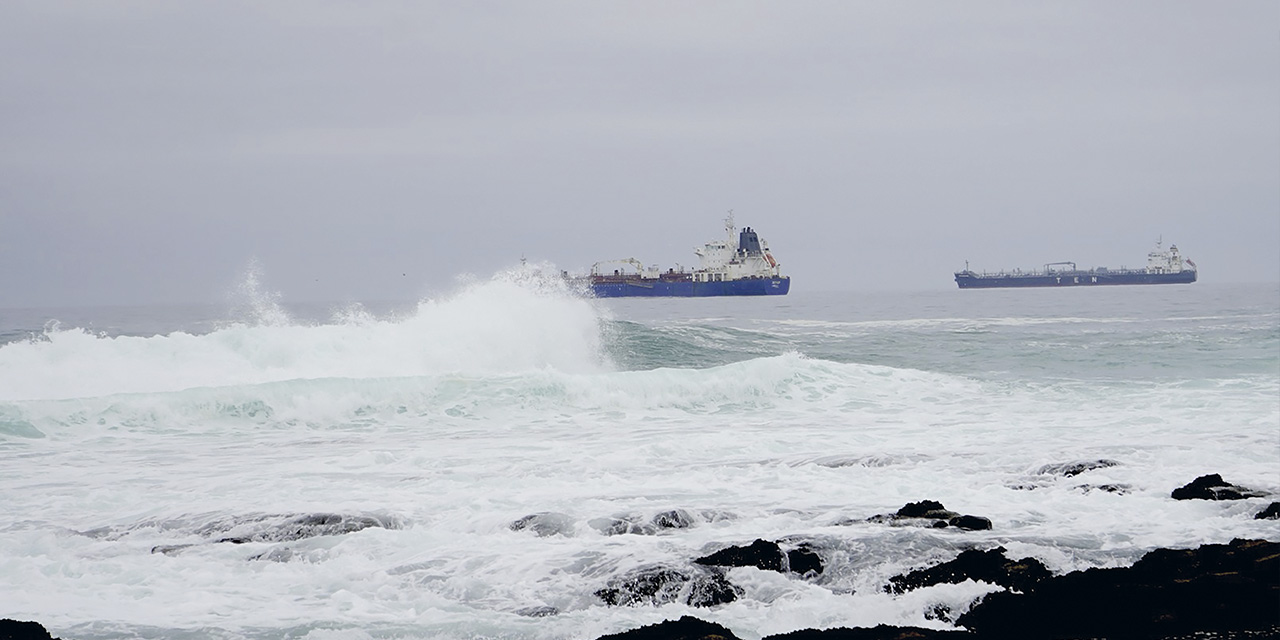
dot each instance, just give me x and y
(1212, 592)
(1217, 591)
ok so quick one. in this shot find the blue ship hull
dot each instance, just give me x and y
(970, 280)
(647, 288)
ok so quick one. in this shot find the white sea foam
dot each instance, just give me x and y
(511, 323)
(449, 424)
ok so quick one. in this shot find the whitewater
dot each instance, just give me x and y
(264, 470)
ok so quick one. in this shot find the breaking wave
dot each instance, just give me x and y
(516, 321)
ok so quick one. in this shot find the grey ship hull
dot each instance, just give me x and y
(972, 280)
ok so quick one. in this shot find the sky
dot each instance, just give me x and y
(151, 151)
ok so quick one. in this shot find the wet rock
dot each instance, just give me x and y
(320, 524)
(545, 524)
(766, 555)
(538, 612)
(1119, 489)
(169, 549)
(760, 554)
(711, 589)
(881, 632)
(673, 519)
(290, 528)
(619, 525)
(1069, 469)
(804, 561)
(930, 513)
(971, 523)
(654, 585)
(661, 585)
(23, 630)
(1213, 487)
(636, 524)
(987, 566)
(1215, 588)
(1272, 512)
(245, 529)
(686, 628)
(925, 509)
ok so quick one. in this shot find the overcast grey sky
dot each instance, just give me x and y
(377, 150)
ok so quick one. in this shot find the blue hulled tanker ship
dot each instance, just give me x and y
(1163, 267)
(740, 265)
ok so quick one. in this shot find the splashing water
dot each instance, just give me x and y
(252, 304)
(366, 476)
(516, 321)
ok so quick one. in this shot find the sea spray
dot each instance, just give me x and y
(513, 322)
(797, 421)
(253, 304)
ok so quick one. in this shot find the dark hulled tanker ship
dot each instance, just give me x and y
(1163, 267)
(740, 265)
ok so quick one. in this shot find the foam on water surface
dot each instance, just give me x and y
(155, 484)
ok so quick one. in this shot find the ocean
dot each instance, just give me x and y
(343, 472)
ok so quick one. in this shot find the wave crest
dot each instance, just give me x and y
(518, 320)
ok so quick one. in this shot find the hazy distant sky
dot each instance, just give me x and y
(150, 150)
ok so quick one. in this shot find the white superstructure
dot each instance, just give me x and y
(1170, 261)
(739, 256)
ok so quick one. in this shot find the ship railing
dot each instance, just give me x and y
(1017, 273)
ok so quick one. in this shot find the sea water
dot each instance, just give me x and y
(155, 463)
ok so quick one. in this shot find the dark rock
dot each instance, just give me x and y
(711, 589)
(881, 632)
(673, 519)
(538, 612)
(971, 523)
(760, 554)
(1213, 487)
(289, 528)
(242, 529)
(1119, 489)
(319, 524)
(929, 513)
(804, 561)
(545, 524)
(925, 509)
(1272, 512)
(1215, 588)
(653, 585)
(1069, 469)
(333, 525)
(987, 566)
(769, 556)
(941, 612)
(170, 549)
(634, 523)
(23, 630)
(270, 528)
(661, 585)
(686, 628)
(619, 525)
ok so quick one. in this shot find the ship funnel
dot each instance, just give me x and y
(749, 242)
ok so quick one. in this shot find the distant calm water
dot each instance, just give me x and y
(160, 467)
